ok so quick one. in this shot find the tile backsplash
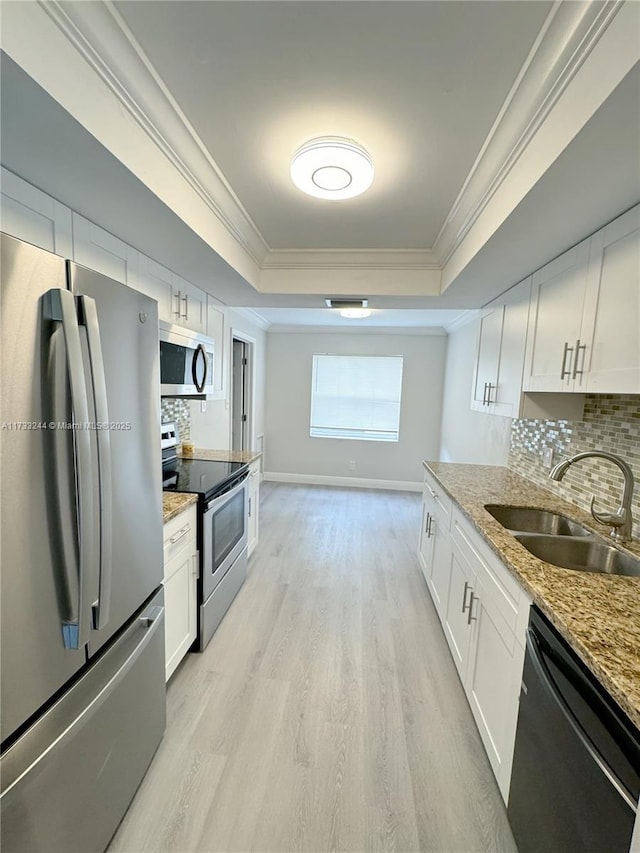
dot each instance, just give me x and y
(611, 422)
(177, 411)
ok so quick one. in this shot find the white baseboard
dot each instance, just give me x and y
(349, 482)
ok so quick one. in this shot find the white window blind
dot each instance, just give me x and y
(354, 396)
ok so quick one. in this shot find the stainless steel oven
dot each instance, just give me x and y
(224, 553)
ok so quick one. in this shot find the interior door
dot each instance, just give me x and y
(238, 403)
(38, 503)
(128, 326)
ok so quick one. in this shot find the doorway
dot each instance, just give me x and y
(241, 392)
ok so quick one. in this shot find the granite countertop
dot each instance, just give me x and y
(598, 614)
(173, 504)
(247, 456)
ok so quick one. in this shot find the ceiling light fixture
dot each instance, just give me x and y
(352, 309)
(332, 167)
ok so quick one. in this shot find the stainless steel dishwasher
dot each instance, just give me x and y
(576, 768)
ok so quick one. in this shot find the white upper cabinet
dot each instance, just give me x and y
(584, 322)
(500, 357)
(155, 281)
(33, 216)
(188, 305)
(555, 346)
(99, 250)
(613, 307)
(216, 329)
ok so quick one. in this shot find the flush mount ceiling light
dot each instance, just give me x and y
(332, 167)
(352, 309)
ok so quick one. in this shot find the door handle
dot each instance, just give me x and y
(566, 371)
(471, 618)
(103, 436)
(579, 347)
(59, 306)
(467, 586)
(426, 523)
(185, 299)
(429, 530)
(200, 351)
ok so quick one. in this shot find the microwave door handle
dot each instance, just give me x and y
(59, 306)
(103, 436)
(199, 351)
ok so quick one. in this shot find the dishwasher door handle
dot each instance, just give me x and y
(545, 677)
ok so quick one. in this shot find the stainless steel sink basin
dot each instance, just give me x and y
(580, 554)
(522, 519)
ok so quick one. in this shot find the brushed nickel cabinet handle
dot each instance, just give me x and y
(467, 587)
(566, 371)
(471, 618)
(579, 347)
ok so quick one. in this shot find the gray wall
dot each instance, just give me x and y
(290, 450)
(468, 436)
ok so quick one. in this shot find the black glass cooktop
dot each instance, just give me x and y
(203, 476)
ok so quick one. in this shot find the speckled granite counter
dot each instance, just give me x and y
(598, 614)
(173, 504)
(247, 456)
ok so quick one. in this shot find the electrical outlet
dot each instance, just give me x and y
(547, 457)
(203, 406)
(352, 464)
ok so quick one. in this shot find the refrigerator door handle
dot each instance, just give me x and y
(102, 428)
(59, 306)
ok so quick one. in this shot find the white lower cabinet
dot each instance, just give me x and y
(180, 587)
(435, 543)
(254, 506)
(484, 613)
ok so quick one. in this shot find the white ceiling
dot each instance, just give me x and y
(419, 84)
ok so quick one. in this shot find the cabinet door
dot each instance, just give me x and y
(95, 248)
(216, 330)
(425, 550)
(155, 281)
(555, 352)
(505, 400)
(493, 684)
(614, 307)
(188, 305)
(457, 626)
(33, 216)
(438, 579)
(180, 599)
(486, 373)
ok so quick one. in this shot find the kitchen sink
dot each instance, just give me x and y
(525, 520)
(580, 554)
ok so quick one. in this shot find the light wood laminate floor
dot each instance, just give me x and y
(326, 713)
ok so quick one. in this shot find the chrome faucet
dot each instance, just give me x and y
(621, 521)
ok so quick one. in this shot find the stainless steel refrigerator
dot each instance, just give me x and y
(82, 657)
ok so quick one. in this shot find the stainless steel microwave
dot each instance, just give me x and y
(186, 362)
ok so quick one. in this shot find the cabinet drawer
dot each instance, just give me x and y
(501, 591)
(178, 533)
(441, 503)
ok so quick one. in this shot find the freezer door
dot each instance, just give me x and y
(39, 547)
(120, 328)
(67, 782)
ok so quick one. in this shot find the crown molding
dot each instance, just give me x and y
(389, 259)
(567, 38)
(463, 319)
(102, 41)
(100, 35)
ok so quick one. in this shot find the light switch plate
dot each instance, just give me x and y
(547, 457)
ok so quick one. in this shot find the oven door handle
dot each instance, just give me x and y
(545, 676)
(230, 491)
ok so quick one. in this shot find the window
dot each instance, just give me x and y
(355, 396)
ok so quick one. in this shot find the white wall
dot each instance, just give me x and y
(290, 450)
(212, 429)
(469, 436)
